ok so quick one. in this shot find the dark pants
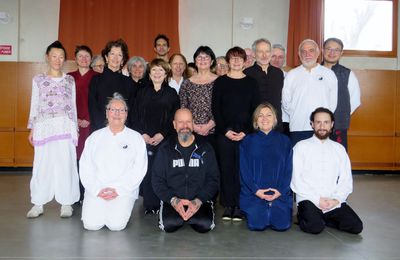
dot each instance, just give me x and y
(150, 199)
(81, 188)
(312, 220)
(202, 221)
(228, 152)
(340, 136)
(298, 136)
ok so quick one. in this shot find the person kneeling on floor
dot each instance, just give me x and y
(112, 166)
(322, 180)
(185, 178)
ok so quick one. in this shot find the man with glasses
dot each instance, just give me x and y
(269, 78)
(307, 87)
(348, 89)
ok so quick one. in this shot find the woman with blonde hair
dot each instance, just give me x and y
(265, 173)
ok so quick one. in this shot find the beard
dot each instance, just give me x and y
(184, 134)
(322, 134)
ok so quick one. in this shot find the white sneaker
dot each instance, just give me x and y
(66, 211)
(35, 211)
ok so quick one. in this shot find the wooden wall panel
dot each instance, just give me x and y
(372, 143)
(397, 153)
(376, 115)
(8, 76)
(23, 150)
(26, 71)
(369, 152)
(6, 148)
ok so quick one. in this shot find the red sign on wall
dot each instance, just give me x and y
(5, 49)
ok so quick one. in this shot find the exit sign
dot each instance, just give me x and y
(5, 49)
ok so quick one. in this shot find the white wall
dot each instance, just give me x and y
(38, 28)
(34, 26)
(217, 23)
(9, 32)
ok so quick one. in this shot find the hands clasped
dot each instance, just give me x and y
(327, 203)
(108, 193)
(186, 208)
(269, 194)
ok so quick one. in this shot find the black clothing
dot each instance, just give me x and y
(186, 152)
(153, 113)
(270, 85)
(202, 221)
(172, 177)
(343, 108)
(312, 220)
(101, 88)
(233, 103)
(228, 152)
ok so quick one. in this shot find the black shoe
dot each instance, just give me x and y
(227, 214)
(237, 215)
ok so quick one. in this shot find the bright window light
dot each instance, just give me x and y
(361, 24)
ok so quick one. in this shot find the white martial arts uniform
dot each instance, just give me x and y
(53, 121)
(115, 161)
(304, 91)
(321, 169)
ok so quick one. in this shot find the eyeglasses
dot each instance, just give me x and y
(116, 110)
(99, 66)
(332, 50)
(203, 57)
(236, 58)
(222, 66)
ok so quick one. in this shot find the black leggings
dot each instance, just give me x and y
(202, 221)
(312, 220)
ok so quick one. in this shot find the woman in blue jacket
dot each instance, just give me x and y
(265, 174)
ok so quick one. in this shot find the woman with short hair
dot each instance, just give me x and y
(137, 70)
(112, 167)
(153, 113)
(235, 96)
(104, 85)
(196, 93)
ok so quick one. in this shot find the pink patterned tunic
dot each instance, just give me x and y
(53, 109)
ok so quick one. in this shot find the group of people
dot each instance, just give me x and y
(181, 139)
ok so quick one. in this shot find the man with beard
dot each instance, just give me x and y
(322, 180)
(307, 87)
(185, 178)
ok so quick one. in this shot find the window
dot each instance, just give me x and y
(366, 27)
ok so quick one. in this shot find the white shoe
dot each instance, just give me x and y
(35, 211)
(66, 211)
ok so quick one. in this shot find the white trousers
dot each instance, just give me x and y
(55, 173)
(97, 212)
